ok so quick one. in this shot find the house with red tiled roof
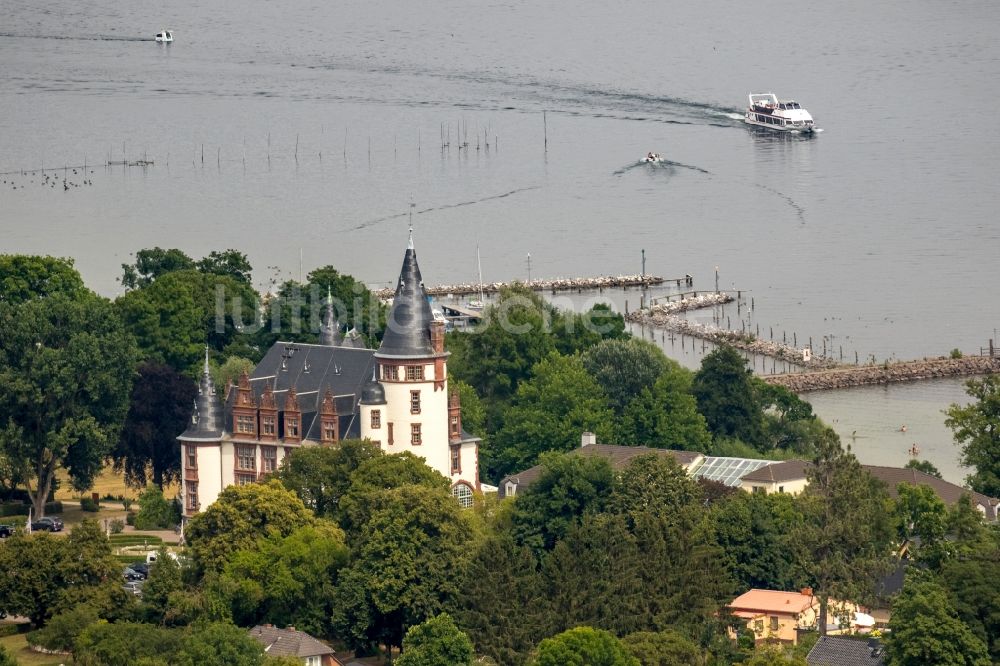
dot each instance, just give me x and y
(779, 616)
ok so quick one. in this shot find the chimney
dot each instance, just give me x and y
(587, 439)
(807, 591)
(437, 336)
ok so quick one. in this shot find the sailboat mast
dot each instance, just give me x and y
(479, 265)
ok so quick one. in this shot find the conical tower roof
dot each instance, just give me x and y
(408, 329)
(207, 420)
(329, 331)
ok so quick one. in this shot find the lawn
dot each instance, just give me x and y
(106, 483)
(17, 646)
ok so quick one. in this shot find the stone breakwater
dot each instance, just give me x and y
(558, 284)
(665, 316)
(900, 371)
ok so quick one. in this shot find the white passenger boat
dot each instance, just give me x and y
(766, 110)
(652, 158)
(165, 37)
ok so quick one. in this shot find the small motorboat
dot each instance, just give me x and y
(652, 158)
(165, 37)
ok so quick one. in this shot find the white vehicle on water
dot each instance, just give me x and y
(652, 158)
(165, 37)
(766, 110)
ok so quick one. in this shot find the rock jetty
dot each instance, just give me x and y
(886, 373)
(557, 284)
(665, 316)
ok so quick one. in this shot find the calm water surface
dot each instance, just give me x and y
(308, 129)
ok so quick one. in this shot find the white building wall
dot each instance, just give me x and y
(433, 420)
(209, 475)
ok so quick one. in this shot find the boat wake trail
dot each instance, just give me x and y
(78, 38)
(371, 223)
(664, 165)
(799, 210)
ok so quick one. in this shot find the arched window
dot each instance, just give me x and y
(463, 493)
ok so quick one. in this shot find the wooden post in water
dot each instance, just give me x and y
(545, 125)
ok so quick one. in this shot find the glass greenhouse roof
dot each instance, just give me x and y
(728, 470)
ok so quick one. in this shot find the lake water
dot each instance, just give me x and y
(306, 130)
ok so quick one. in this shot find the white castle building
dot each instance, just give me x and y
(319, 394)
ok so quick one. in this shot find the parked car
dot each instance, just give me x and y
(131, 574)
(47, 523)
(6, 531)
(134, 587)
(140, 568)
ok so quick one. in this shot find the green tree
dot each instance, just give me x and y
(219, 644)
(404, 565)
(152, 263)
(230, 370)
(126, 644)
(592, 577)
(436, 641)
(239, 517)
(65, 377)
(377, 474)
(977, 430)
(159, 410)
(664, 648)
(925, 466)
(652, 483)
(288, 581)
(920, 513)
(568, 486)
(757, 534)
(926, 630)
(44, 574)
(725, 393)
(665, 415)
(773, 655)
(174, 317)
(231, 263)
(473, 410)
(320, 475)
(155, 512)
(499, 577)
(845, 544)
(26, 277)
(623, 368)
(164, 579)
(62, 630)
(583, 646)
(549, 413)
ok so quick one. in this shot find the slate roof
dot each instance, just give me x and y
(834, 651)
(312, 369)
(208, 420)
(289, 642)
(408, 325)
(789, 470)
(619, 456)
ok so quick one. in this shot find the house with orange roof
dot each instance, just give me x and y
(779, 616)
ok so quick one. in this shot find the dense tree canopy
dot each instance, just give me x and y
(404, 565)
(624, 367)
(583, 646)
(977, 431)
(27, 277)
(159, 410)
(726, 396)
(434, 642)
(66, 370)
(239, 517)
(549, 413)
(926, 630)
(320, 475)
